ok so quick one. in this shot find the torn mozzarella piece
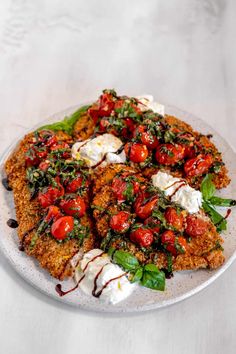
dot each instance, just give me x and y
(93, 151)
(179, 191)
(147, 102)
(99, 273)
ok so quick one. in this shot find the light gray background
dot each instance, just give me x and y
(54, 54)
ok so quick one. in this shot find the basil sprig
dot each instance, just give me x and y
(147, 275)
(67, 124)
(210, 201)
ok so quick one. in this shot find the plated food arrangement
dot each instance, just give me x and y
(119, 194)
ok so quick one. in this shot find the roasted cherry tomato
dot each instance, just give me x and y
(168, 240)
(73, 186)
(120, 222)
(122, 190)
(136, 152)
(102, 108)
(62, 227)
(106, 105)
(103, 125)
(195, 226)
(168, 154)
(31, 158)
(153, 224)
(189, 152)
(128, 131)
(146, 137)
(144, 205)
(75, 207)
(52, 140)
(43, 166)
(53, 213)
(173, 218)
(42, 153)
(142, 237)
(198, 165)
(51, 194)
(61, 146)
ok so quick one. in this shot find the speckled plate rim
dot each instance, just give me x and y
(114, 308)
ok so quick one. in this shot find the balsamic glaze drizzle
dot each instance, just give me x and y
(12, 223)
(5, 184)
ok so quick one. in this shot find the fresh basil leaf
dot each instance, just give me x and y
(207, 187)
(67, 123)
(217, 219)
(222, 202)
(126, 260)
(137, 275)
(153, 278)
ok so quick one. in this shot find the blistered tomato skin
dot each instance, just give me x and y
(195, 226)
(53, 213)
(74, 185)
(168, 240)
(143, 209)
(146, 137)
(62, 227)
(174, 219)
(119, 187)
(198, 165)
(168, 154)
(136, 152)
(142, 237)
(120, 222)
(74, 207)
(49, 197)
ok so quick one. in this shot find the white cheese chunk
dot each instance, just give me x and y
(147, 102)
(96, 264)
(179, 192)
(92, 151)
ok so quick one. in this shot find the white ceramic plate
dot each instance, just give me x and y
(181, 286)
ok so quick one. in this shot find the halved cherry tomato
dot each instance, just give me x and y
(173, 218)
(168, 240)
(120, 222)
(142, 237)
(146, 137)
(52, 140)
(198, 165)
(136, 152)
(62, 227)
(120, 187)
(75, 207)
(42, 153)
(53, 213)
(195, 226)
(168, 154)
(144, 205)
(43, 166)
(153, 224)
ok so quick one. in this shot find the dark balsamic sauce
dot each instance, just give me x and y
(117, 152)
(22, 242)
(12, 223)
(63, 293)
(58, 287)
(106, 284)
(168, 274)
(5, 184)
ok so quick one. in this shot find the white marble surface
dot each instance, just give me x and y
(54, 54)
